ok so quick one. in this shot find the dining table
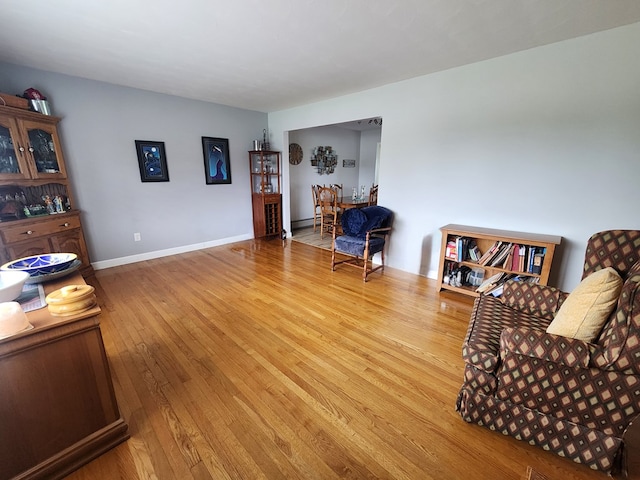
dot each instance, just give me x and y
(347, 201)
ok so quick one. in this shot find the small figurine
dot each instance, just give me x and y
(49, 204)
(57, 201)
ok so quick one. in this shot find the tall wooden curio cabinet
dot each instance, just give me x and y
(37, 211)
(266, 194)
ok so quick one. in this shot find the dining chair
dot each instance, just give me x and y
(338, 188)
(316, 204)
(373, 195)
(328, 200)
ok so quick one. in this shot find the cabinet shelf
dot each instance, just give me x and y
(536, 264)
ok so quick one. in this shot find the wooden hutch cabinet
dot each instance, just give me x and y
(266, 194)
(37, 213)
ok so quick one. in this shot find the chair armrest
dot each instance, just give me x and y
(538, 300)
(378, 231)
(545, 346)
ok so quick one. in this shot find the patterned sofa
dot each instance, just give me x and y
(574, 398)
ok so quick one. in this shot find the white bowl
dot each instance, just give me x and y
(11, 283)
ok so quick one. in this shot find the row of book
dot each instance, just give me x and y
(461, 249)
(494, 285)
(514, 257)
(506, 255)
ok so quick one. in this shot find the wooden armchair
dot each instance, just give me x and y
(365, 232)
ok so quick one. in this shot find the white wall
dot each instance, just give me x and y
(345, 143)
(99, 126)
(546, 140)
(369, 141)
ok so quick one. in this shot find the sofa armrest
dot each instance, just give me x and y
(545, 346)
(538, 300)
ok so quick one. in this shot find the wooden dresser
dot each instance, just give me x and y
(58, 409)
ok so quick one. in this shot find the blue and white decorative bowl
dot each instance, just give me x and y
(41, 264)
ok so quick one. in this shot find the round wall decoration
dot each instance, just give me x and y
(295, 153)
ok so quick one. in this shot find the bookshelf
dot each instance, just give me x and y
(534, 255)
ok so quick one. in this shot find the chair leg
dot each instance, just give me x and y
(333, 254)
(365, 262)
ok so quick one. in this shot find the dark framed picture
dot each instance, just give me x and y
(152, 161)
(217, 165)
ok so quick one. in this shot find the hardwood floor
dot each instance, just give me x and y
(255, 361)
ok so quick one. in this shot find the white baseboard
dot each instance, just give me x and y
(165, 253)
(307, 222)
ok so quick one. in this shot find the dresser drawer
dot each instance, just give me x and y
(48, 226)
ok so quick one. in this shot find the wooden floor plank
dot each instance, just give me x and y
(255, 360)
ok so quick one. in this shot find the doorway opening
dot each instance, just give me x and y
(356, 146)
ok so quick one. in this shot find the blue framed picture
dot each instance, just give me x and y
(217, 164)
(152, 161)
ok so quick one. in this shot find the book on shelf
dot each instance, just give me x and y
(495, 284)
(490, 282)
(538, 259)
(515, 258)
(489, 253)
(499, 258)
(474, 253)
(508, 261)
(523, 254)
(461, 243)
(451, 251)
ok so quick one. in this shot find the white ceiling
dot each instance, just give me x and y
(268, 55)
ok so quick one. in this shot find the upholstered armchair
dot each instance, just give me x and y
(576, 397)
(364, 233)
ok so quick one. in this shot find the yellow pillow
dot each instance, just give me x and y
(587, 308)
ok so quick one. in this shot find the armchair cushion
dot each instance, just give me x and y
(569, 352)
(356, 245)
(481, 347)
(538, 300)
(588, 307)
(620, 338)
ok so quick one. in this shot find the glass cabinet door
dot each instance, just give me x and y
(43, 150)
(12, 164)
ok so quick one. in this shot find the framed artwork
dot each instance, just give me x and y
(348, 163)
(217, 165)
(152, 161)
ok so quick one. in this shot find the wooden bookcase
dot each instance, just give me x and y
(485, 238)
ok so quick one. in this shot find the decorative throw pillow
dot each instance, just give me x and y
(586, 309)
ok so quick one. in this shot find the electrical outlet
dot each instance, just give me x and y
(136, 237)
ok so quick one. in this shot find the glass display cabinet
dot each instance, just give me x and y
(266, 194)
